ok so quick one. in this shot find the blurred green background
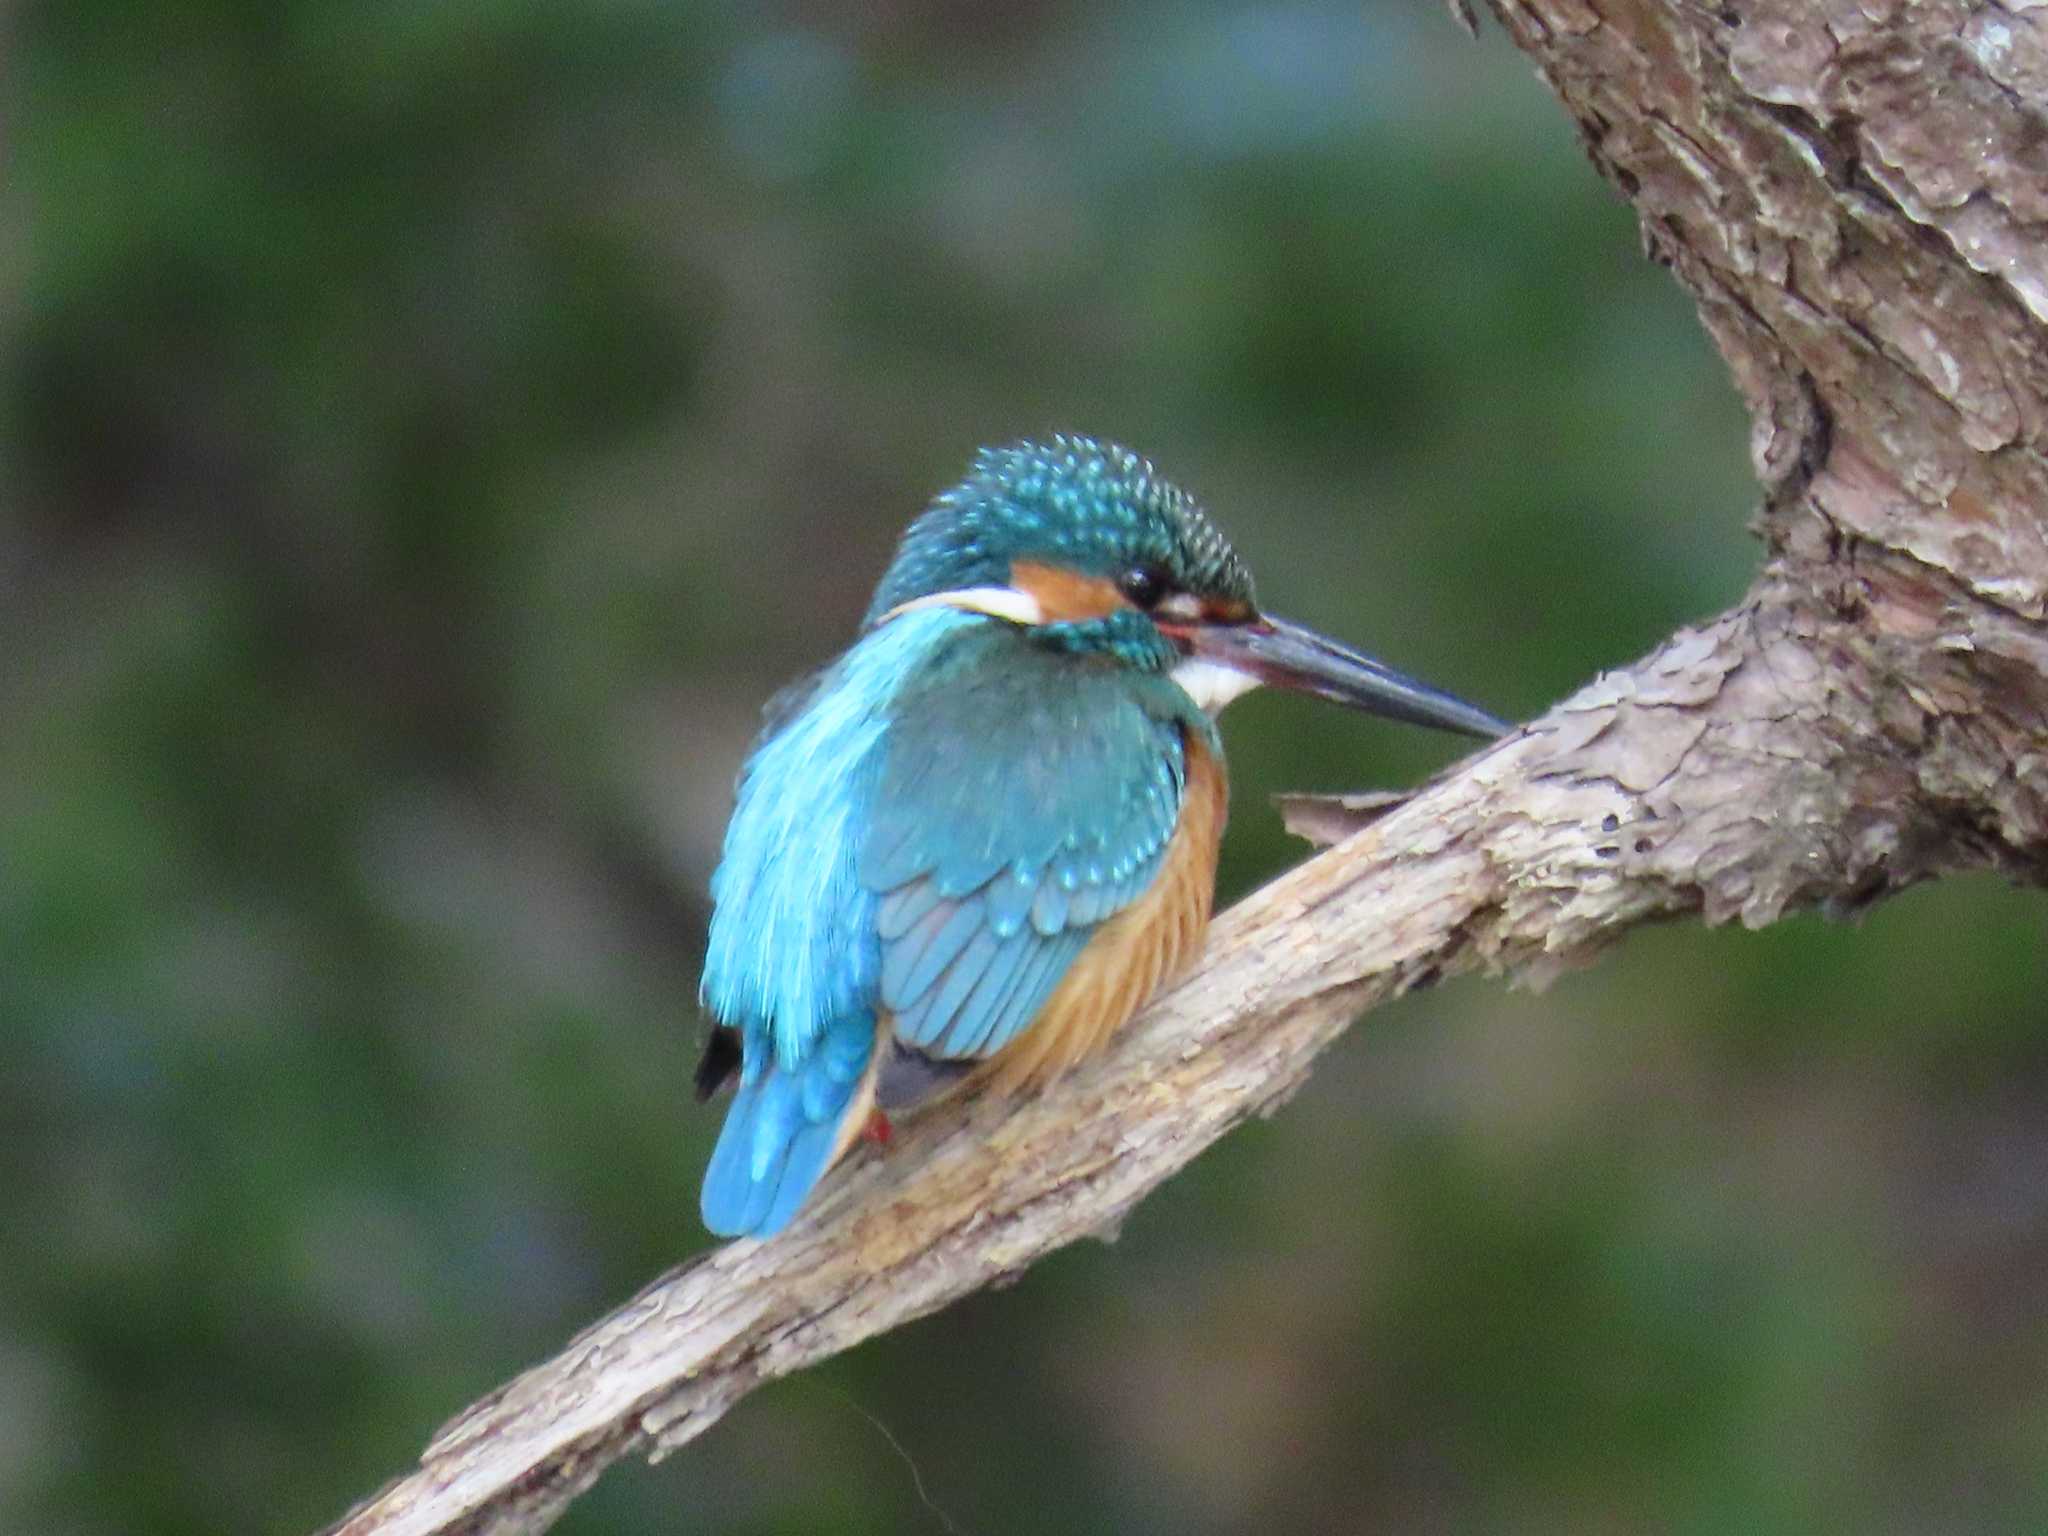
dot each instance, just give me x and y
(430, 432)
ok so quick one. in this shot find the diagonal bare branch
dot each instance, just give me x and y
(1731, 773)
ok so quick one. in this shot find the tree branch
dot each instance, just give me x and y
(1740, 770)
(1858, 206)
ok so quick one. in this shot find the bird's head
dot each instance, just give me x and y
(1087, 547)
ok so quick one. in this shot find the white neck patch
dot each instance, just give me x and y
(1211, 684)
(997, 602)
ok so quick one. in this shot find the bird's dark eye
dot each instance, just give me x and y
(1144, 585)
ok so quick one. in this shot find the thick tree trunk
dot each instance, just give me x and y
(1857, 197)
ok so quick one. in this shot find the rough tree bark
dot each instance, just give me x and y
(1856, 194)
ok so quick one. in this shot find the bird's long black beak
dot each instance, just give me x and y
(1289, 656)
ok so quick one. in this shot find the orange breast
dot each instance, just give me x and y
(1134, 952)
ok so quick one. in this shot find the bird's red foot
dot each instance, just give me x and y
(878, 1129)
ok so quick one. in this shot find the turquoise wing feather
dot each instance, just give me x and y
(793, 962)
(1024, 796)
(934, 833)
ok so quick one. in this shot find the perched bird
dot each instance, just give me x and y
(985, 834)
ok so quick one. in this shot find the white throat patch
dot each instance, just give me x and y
(1210, 683)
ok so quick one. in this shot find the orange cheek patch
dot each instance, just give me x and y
(1066, 596)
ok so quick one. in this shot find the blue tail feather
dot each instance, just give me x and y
(782, 1128)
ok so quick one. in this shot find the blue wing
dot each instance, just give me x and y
(1025, 795)
(934, 834)
(793, 960)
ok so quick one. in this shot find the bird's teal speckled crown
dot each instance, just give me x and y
(1074, 502)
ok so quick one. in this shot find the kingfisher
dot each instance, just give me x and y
(973, 845)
